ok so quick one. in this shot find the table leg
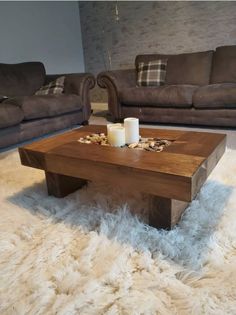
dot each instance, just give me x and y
(164, 213)
(62, 185)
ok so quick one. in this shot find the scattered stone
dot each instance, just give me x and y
(147, 144)
(133, 145)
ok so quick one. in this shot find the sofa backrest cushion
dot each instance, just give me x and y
(224, 65)
(188, 68)
(21, 79)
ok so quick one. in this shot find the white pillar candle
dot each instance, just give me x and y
(117, 136)
(131, 130)
(112, 125)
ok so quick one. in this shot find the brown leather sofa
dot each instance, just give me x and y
(25, 115)
(200, 88)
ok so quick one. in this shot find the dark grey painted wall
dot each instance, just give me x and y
(149, 27)
(48, 31)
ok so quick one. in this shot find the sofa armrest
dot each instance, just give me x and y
(119, 78)
(114, 81)
(80, 84)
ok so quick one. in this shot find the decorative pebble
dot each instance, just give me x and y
(147, 144)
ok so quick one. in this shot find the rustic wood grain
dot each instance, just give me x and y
(167, 185)
(32, 158)
(172, 177)
(200, 144)
(61, 185)
(164, 213)
(165, 163)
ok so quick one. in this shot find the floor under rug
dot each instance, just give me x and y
(93, 253)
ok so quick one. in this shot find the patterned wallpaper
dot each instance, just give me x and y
(112, 38)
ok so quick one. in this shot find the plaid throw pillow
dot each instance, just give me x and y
(152, 73)
(3, 98)
(54, 87)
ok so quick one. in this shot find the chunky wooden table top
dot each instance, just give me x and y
(177, 172)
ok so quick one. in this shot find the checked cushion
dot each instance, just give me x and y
(152, 73)
(54, 87)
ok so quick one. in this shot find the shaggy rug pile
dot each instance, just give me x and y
(92, 252)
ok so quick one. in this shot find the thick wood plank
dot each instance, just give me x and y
(61, 185)
(162, 162)
(196, 143)
(201, 174)
(164, 213)
(197, 180)
(32, 158)
(45, 145)
(166, 185)
(174, 175)
(169, 174)
(189, 142)
(215, 156)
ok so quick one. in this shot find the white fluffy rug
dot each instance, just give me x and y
(87, 254)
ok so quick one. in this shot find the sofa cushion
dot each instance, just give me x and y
(224, 65)
(152, 73)
(193, 68)
(162, 96)
(189, 68)
(21, 79)
(39, 106)
(10, 115)
(215, 96)
(53, 87)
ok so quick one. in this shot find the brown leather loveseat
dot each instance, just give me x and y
(24, 115)
(200, 88)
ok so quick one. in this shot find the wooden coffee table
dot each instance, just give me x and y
(171, 178)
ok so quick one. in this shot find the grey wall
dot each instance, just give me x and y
(45, 31)
(149, 27)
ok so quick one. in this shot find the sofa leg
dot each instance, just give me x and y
(85, 123)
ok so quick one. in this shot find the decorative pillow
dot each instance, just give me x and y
(54, 87)
(3, 98)
(152, 73)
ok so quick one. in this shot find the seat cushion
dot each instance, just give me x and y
(188, 68)
(162, 96)
(10, 115)
(39, 106)
(21, 79)
(215, 96)
(224, 65)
